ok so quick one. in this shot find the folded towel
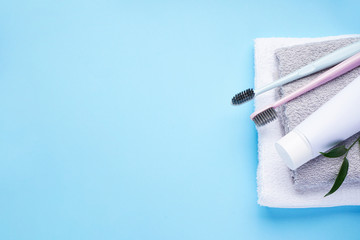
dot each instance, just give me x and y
(275, 184)
(319, 173)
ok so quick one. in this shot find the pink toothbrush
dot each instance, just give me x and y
(268, 114)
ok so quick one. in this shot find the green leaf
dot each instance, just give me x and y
(340, 177)
(335, 152)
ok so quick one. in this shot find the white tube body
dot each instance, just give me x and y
(335, 121)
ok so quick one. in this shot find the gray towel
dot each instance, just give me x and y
(320, 172)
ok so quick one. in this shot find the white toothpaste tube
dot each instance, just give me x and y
(334, 122)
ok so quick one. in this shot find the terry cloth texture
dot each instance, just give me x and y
(320, 172)
(274, 180)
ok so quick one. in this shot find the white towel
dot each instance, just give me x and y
(275, 186)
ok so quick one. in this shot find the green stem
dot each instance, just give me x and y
(343, 170)
(358, 139)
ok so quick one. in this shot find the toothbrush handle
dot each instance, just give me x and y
(327, 76)
(318, 65)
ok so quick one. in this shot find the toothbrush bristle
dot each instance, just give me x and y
(243, 96)
(265, 117)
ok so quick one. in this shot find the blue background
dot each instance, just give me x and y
(116, 120)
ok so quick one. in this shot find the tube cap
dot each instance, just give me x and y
(294, 149)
